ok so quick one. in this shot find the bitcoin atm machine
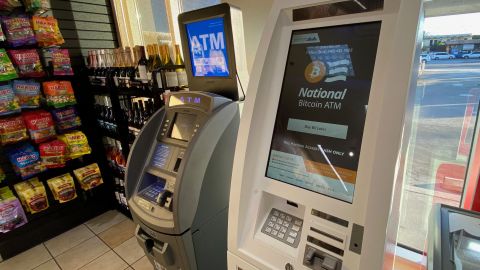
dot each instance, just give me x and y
(319, 140)
(179, 169)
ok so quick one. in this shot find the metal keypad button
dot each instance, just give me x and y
(290, 240)
(268, 229)
(279, 221)
(277, 227)
(274, 232)
(293, 234)
(283, 230)
(270, 224)
(298, 222)
(295, 228)
(280, 235)
(286, 224)
(273, 219)
(289, 218)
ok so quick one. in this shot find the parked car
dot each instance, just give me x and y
(442, 55)
(461, 54)
(472, 55)
(424, 58)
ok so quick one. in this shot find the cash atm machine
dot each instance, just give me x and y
(179, 169)
(315, 181)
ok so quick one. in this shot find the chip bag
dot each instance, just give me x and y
(33, 195)
(66, 119)
(36, 5)
(53, 154)
(40, 125)
(63, 188)
(12, 215)
(8, 100)
(18, 31)
(89, 176)
(28, 93)
(25, 161)
(27, 62)
(2, 35)
(12, 130)
(77, 144)
(7, 71)
(47, 32)
(61, 62)
(59, 93)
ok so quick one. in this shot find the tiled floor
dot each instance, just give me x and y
(106, 242)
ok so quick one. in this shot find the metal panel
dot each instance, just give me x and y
(89, 35)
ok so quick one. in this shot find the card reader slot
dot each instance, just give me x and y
(324, 245)
(330, 218)
(326, 235)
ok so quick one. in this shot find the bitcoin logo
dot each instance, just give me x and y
(315, 72)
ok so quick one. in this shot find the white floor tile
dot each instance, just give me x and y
(143, 264)
(105, 221)
(82, 254)
(27, 260)
(108, 261)
(50, 265)
(68, 240)
(130, 250)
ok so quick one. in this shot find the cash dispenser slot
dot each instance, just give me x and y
(318, 260)
(157, 250)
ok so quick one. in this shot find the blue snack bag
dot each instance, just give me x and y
(8, 101)
(28, 93)
(26, 161)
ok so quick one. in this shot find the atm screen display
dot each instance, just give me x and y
(183, 126)
(160, 156)
(208, 48)
(322, 108)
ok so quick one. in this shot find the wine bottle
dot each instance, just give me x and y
(157, 64)
(142, 64)
(181, 73)
(170, 74)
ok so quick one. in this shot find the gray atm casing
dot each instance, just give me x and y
(194, 234)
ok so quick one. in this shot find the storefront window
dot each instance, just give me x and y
(446, 107)
(196, 4)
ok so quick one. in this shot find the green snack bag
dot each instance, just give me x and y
(7, 71)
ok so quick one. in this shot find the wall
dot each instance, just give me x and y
(255, 13)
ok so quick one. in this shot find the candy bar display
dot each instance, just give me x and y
(18, 31)
(53, 154)
(33, 195)
(77, 144)
(7, 71)
(12, 215)
(63, 188)
(27, 62)
(66, 119)
(28, 93)
(61, 62)
(59, 93)
(12, 130)
(26, 161)
(89, 176)
(8, 100)
(40, 125)
(46, 31)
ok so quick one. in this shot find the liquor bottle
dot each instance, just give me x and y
(137, 121)
(181, 73)
(130, 70)
(157, 65)
(170, 74)
(143, 113)
(142, 64)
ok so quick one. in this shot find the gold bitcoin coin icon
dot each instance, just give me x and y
(315, 72)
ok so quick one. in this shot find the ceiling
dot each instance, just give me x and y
(434, 8)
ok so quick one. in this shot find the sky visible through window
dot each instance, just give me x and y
(453, 24)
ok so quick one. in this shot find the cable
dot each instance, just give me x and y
(241, 87)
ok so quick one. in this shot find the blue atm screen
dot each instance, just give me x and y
(208, 49)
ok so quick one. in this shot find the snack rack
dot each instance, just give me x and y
(59, 217)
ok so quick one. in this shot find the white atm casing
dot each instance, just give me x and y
(378, 185)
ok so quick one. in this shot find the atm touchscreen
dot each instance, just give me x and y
(322, 109)
(183, 126)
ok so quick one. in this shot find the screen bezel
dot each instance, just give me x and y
(226, 48)
(269, 149)
(224, 86)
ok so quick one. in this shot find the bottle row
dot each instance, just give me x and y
(135, 67)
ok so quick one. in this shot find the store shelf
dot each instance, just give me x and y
(136, 92)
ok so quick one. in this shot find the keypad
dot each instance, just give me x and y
(283, 227)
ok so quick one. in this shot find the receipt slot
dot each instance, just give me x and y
(178, 180)
(316, 171)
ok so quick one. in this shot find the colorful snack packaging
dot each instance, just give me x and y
(27, 62)
(77, 144)
(18, 31)
(89, 176)
(2, 35)
(12, 130)
(9, 5)
(33, 195)
(66, 119)
(12, 215)
(7, 71)
(63, 188)
(36, 5)
(53, 154)
(47, 32)
(26, 161)
(8, 100)
(59, 93)
(28, 93)
(61, 62)
(40, 125)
